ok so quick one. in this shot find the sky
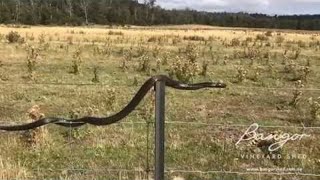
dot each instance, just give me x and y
(271, 7)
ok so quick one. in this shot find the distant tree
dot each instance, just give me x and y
(84, 4)
(17, 10)
(70, 8)
(151, 6)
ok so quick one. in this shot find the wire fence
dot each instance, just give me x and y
(102, 84)
(146, 167)
(200, 124)
(144, 150)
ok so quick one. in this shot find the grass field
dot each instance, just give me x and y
(272, 79)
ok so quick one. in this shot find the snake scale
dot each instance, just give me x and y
(103, 121)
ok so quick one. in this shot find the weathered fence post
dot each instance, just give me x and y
(159, 134)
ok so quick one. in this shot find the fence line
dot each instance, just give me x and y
(103, 84)
(58, 84)
(187, 171)
(183, 123)
(244, 173)
(237, 125)
(200, 124)
(275, 88)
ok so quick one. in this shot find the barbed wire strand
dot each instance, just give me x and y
(190, 171)
(244, 173)
(188, 123)
(103, 84)
(201, 124)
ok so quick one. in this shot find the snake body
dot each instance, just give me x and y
(103, 121)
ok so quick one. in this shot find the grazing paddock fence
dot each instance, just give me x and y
(147, 145)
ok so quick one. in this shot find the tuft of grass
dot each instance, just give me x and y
(76, 62)
(9, 170)
(38, 136)
(95, 78)
(14, 37)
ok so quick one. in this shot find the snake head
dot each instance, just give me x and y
(218, 84)
(221, 84)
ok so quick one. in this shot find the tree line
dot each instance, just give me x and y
(121, 12)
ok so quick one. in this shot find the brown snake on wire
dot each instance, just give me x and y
(103, 121)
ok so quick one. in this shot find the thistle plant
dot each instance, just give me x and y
(236, 54)
(292, 54)
(297, 94)
(308, 64)
(103, 51)
(135, 81)
(70, 40)
(156, 51)
(235, 42)
(165, 58)
(42, 38)
(290, 67)
(74, 114)
(184, 70)
(14, 37)
(140, 51)
(204, 70)
(159, 63)
(96, 78)
(250, 53)
(97, 50)
(148, 108)
(78, 133)
(32, 59)
(203, 51)
(256, 74)
(2, 36)
(267, 57)
(225, 59)
(241, 74)
(66, 48)
(297, 53)
(279, 40)
(144, 64)
(271, 69)
(251, 61)
(76, 62)
(36, 136)
(50, 38)
(30, 37)
(315, 109)
(110, 99)
(45, 46)
(128, 56)
(191, 53)
(185, 67)
(305, 71)
(106, 50)
(176, 40)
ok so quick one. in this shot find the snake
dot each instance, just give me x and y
(130, 107)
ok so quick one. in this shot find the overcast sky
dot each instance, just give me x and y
(260, 6)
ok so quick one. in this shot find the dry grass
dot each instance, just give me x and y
(9, 170)
(141, 52)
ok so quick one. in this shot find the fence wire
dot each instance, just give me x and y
(103, 84)
(147, 169)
